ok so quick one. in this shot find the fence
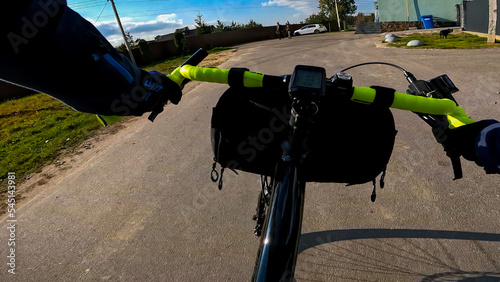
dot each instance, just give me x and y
(165, 49)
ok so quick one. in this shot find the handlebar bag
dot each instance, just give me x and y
(248, 127)
(349, 142)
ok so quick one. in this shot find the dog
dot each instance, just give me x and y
(444, 33)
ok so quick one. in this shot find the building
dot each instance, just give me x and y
(476, 16)
(185, 30)
(413, 10)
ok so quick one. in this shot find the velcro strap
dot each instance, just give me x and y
(384, 96)
(235, 77)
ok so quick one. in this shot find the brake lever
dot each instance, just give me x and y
(439, 123)
(194, 60)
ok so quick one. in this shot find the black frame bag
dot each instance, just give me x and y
(350, 142)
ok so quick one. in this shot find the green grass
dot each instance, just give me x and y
(167, 66)
(350, 28)
(34, 131)
(454, 41)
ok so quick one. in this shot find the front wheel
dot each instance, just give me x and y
(280, 238)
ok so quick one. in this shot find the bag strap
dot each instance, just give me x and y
(384, 96)
(235, 77)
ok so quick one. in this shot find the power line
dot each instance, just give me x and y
(191, 9)
(85, 7)
(83, 2)
(91, 4)
(101, 11)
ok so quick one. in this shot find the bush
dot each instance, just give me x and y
(180, 43)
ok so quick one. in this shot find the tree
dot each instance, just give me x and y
(201, 25)
(234, 26)
(320, 17)
(129, 38)
(346, 7)
(147, 57)
(251, 24)
(122, 48)
(360, 18)
(220, 27)
(180, 42)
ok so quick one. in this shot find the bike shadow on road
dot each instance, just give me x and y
(399, 255)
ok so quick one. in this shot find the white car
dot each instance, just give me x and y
(310, 28)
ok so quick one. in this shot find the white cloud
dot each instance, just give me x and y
(305, 7)
(162, 24)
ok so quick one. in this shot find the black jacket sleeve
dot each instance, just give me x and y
(47, 47)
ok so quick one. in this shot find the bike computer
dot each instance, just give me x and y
(307, 81)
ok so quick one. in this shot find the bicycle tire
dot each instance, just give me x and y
(278, 248)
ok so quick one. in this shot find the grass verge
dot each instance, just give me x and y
(460, 40)
(35, 130)
(167, 66)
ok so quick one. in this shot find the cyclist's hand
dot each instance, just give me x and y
(477, 141)
(458, 118)
(177, 77)
(167, 88)
(461, 140)
(488, 147)
(459, 137)
(171, 90)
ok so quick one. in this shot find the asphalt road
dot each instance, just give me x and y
(144, 208)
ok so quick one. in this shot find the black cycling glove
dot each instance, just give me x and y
(478, 142)
(47, 47)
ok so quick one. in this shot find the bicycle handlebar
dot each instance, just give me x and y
(364, 95)
(440, 113)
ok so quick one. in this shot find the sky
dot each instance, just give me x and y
(148, 18)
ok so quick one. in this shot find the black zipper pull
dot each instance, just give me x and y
(382, 178)
(214, 175)
(374, 193)
(220, 180)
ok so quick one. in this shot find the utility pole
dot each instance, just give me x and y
(492, 26)
(338, 19)
(123, 32)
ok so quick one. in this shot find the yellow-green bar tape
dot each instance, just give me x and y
(205, 74)
(407, 102)
(252, 79)
(458, 118)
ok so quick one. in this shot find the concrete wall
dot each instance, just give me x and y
(477, 16)
(165, 49)
(395, 10)
(400, 26)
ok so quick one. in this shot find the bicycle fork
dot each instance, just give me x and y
(278, 247)
(279, 243)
